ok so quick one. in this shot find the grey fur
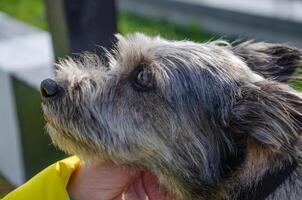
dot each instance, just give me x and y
(273, 61)
(207, 108)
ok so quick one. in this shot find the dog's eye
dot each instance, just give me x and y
(143, 78)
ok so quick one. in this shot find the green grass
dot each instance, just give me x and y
(296, 82)
(29, 11)
(128, 23)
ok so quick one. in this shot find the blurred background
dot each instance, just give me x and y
(34, 33)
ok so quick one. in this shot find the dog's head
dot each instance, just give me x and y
(187, 112)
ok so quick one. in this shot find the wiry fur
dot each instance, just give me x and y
(273, 61)
(210, 127)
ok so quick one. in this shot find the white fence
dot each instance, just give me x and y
(26, 56)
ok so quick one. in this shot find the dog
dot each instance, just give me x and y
(211, 120)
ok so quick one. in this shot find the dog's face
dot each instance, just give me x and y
(178, 109)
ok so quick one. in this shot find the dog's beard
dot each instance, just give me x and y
(143, 184)
(67, 144)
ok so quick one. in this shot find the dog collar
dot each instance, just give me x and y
(269, 183)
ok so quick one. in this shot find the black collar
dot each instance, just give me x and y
(269, 183)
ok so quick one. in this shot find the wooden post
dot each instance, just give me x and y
(81, 25)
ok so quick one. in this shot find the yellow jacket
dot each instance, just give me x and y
(50, 184)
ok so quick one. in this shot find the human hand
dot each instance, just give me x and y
(106, 181)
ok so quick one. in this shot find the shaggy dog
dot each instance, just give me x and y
(210, 121)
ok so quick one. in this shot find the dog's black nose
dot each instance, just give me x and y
(49, 88)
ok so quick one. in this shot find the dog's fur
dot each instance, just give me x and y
(216, 120)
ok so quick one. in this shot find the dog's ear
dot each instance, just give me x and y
(270, 112)
(274, 61)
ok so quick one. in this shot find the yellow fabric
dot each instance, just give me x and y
(50, 184)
